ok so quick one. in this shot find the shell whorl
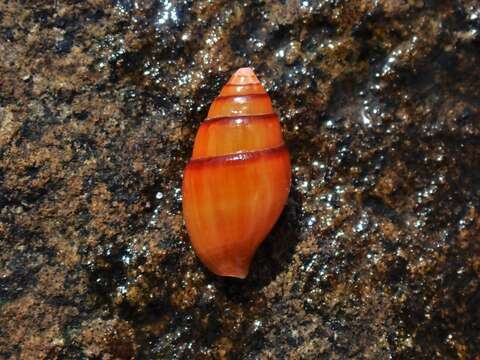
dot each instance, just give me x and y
(240, 119)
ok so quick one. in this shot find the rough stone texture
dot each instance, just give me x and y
(377, 254)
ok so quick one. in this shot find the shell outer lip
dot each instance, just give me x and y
(240, 156)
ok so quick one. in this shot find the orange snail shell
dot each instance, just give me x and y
(237, 182)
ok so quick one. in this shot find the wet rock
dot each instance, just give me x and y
(377, 254)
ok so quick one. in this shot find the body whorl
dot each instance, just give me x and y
(237, 182)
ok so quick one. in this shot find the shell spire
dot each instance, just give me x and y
(243, 76)
(237, 182)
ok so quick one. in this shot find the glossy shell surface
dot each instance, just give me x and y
(237, 182)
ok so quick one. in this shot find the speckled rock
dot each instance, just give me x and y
(377, 254)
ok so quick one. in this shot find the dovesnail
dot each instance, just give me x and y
(237, 181)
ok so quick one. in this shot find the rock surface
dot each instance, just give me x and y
(377, 254)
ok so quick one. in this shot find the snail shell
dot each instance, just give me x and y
(237, 182)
